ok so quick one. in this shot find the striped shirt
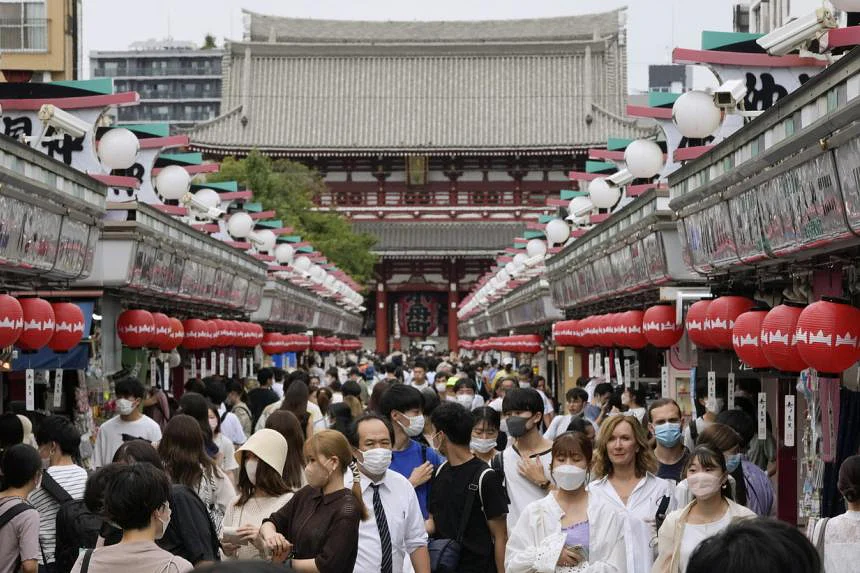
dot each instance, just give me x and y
(73, 479)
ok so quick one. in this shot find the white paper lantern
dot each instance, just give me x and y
(284, 253)
(172, 182)
(557, 231)
(303, 264)
(520, 259)
(317, 274)
(536, 248)
(329, 282)
(696, 115)
(512, 269)
(644, 158)
(208, 197)
(117, 149)
(240, 225)
(503, 277)
(264, 240)
(602, 195)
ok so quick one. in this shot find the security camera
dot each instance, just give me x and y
(798, 33)
(620, 178)
(200, 210)
(63, 121)
(730, 94)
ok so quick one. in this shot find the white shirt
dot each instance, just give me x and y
(640, 511)
(521, 491)
(496, 404)
(557, 427)
(547, 403)
(695, 533)
(842, 543)
(227, 451)
(110, 436)
(701, 424)
(405, 524)
(278, 387)
(231, 426)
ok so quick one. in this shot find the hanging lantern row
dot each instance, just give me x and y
(520, 344)
(277, 343)
(631, 329)
(34, 323)
(792, 337)
(139, 328)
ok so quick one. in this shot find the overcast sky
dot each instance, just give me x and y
(654, 26)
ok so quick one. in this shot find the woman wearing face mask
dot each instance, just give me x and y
(485, 433)
(568, 528)
(710, 511)
(136, 500)
(318, 529)
(226, 450)
(262, 491)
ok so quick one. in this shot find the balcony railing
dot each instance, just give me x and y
(29, 36)
(146, 71)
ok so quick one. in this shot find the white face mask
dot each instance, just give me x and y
(482, 445)
(124, 406)
(415, 427)
(465, 400)
(569, 477)
(165, 521)
(251, 470)
(376, 461)
(441, 387)
(704, 485)
(525, 385)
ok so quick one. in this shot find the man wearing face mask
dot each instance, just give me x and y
(136, 498)
(526, 462)
(666, 426)
(62, 480)
(396, 528)
(403, 405)
(131, 423)
(465, 393)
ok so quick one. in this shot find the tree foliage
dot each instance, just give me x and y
(289, 188)
(209, 42)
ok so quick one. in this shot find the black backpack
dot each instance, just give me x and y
(77, 527)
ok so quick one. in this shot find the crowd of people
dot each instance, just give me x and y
(412, 464)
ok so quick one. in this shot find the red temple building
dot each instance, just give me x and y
(442, 139)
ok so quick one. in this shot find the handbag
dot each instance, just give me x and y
(445, 552)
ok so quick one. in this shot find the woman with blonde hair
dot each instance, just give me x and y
(318, 529)
(624, 465)
(262, 491)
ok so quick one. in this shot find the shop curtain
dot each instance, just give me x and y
(847, 445)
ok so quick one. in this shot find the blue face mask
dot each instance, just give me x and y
(668, 435)
(732, 462)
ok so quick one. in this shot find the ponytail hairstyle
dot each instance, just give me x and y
(331, 443)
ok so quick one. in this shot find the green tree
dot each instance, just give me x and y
(289, 188)
(209, 42)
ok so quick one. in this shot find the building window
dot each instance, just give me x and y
(23, 26)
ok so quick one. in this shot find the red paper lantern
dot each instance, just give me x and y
(162, 330)
(695, 323)
(632, 335)
(135, 328)
(720, 319)
(196, 334)
(529, 343)
(598, 330)
(565, 333)
(659, 328)
(257, 334)
(827, 336)
(11, 320)
(174, 339)
(586, 338)
(779, 338)
(746, 339)
(273, 343)
(68, 326)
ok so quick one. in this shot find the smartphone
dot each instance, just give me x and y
(579, 551)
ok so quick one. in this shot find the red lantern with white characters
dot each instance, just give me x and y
(196, 334)
(695, 323)
(827, 334)
(746, 338)
(257, 334)
(273, 343)
(779, 338)
(565, 333)
(11, 320)
(135, 328)
(720, 319)
(631, 323)
(174, 339)
(68, 326)
(529, 343)
(659, 328)
(219, 332)
(599, 330)
(584, 332)
(162, 330)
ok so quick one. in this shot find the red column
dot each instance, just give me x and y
(453, 323)
(381, 319)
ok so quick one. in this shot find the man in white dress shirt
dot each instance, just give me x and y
(395, 527)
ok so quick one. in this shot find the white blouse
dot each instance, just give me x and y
(253, 513)
(842, 543)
